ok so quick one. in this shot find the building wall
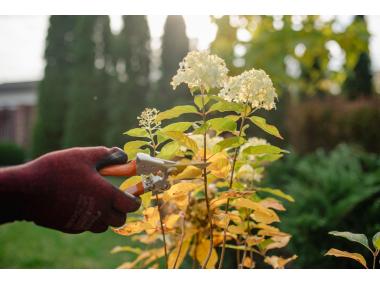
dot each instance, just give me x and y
(17, 112)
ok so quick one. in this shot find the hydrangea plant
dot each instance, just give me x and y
(222, 206)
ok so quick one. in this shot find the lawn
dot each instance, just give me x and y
(25, 245)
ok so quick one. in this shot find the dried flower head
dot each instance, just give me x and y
(253, 86)
(147, 119)
(200, 69)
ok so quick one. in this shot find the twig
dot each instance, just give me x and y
(230, 185)
(246, 242)
(180, 242)
(162, 230)
(374, 258)
(159, 206)
(205, 187)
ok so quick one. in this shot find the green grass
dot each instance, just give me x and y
(25, 245)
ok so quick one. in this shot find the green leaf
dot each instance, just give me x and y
(182, 139)
(175, 112)
(358, 238)
(134, 147)
(223, 106)
(198, 101)
(169, 150)
(160, 137)
(263, 149)
(221, 124)
(137, 132)
(376, 241)
(261, 123)
(202, 129)
(178, 126)
(231, 142)
(277, 192)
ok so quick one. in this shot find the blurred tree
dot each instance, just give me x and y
(359, 80)
(52, 91)
(131, 81)
(87, 90)
(304, 55)
(174, 47)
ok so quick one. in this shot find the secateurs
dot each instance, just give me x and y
(154, 172)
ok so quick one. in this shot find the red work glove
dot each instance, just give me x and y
(62, 190)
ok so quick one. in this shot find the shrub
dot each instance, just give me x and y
(335, 191)
(221, 206)
(328, 122)
(11, 154)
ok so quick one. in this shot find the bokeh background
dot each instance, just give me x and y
(82, 80)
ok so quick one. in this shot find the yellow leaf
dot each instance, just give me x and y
(215, 203)
(220, 165)
(341, 253)
(248, 262)
(130, 182)
(267, 230)
(238, 230)
(278, 242)
(179, 189)
(254, 240)
(128, 265)
(202, 252)
(171, 221)
(152, 216)
(221, 220)
(278, 262)
(260, 214)
(266, 216)
(181, 202)
(188, 172)
(132, 228)
(118, 249)
(272, 203)
(146, 198)
(154, 254)
(182, 139)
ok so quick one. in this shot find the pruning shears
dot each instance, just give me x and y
(154, 172)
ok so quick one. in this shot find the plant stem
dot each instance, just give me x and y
(162, 230)
(206, 186)
(195, 251)
(159, 208)
(230, 185)
(374, 258)
(246, 242)
(180, 242)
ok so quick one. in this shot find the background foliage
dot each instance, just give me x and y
(339, 190)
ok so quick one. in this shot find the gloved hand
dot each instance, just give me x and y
(63, 190)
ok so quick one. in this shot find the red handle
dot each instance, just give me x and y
(125, 170)
(136, 190)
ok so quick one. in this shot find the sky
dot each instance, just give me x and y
(23, 40)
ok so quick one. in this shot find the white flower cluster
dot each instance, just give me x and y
(253, 87)
(252, 142)
(147, 118)
(200, 69)
(211, 141)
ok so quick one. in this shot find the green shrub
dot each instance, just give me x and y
(335, 191)
(11, 154)
(328, 122)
